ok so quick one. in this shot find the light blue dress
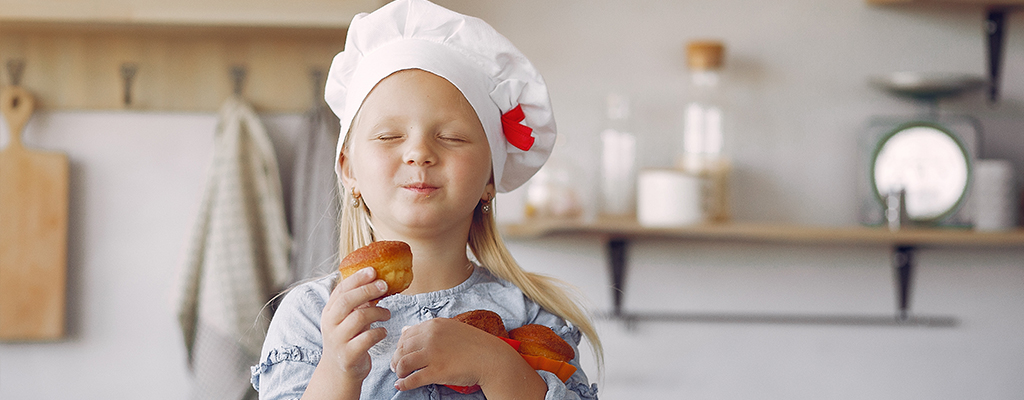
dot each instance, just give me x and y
(294, 342)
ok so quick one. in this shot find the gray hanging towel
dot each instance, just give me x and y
(314, 197)
(237, 258)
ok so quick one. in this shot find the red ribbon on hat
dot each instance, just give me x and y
(517, 134)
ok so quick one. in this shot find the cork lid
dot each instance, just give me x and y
(705, 54)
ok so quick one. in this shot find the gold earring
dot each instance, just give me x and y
(486, 208)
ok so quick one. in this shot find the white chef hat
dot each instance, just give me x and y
(504, 88)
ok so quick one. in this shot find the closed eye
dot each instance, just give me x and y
(387, 136)
(453, 137)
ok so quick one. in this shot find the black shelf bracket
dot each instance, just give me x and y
(903, 273)
(617, 267)
(995, 32)
(995, 35)
(903, 268)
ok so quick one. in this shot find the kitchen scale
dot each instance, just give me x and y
(919, 166)
(916, 170)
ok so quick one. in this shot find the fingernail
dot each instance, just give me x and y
(404, 328)
(368, 271)
(383, 286)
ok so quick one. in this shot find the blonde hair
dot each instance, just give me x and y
(552, 294)
(354, 225)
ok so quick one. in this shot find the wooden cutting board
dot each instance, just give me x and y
(33, 230)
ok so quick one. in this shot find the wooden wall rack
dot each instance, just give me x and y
(80, 67)
(173, 56)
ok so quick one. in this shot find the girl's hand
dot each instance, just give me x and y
(449, 352)
(345, 324)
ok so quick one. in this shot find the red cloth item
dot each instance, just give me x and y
(516, 133)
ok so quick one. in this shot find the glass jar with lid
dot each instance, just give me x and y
(704, 145)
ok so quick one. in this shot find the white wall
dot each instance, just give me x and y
(798, 71)
(798, 83)
(136, 183)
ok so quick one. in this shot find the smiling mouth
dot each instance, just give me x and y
(420, 188)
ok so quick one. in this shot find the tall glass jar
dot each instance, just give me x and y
(704, 141)
(618, 160)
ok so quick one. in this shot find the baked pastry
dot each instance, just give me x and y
(540, 346)
(391, 259)
(539, 340)
(487, 320)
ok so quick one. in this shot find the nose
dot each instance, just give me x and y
(419, 152)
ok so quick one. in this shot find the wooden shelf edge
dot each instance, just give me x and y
(173, 29)
(766, 232)
(260, 13)
(50, 24)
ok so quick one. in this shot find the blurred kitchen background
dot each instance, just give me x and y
(797, 83)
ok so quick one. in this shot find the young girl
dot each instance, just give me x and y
(438, 113)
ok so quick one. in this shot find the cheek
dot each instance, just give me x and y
(370, 168)
(480, 170)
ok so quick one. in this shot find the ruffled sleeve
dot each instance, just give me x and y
(294, 344)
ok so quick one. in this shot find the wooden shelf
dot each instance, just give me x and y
(772, 233)
(618, 233)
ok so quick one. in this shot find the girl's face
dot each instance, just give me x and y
(418, 155)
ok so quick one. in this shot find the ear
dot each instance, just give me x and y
(489, 192)
(347, 176)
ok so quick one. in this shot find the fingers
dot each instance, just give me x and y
(362, 342)
(351, 293)
(409, 362)
(347, 320)
(404, 346)
(361, 277)
(352, 358)
(359, 320)
(413, 370)
(353, 335)
(429, 353)
(415, 380)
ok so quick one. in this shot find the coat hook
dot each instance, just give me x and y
(238, 75)
(128, 71)
(15, 67)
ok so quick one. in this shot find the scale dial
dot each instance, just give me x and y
(929, 162)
